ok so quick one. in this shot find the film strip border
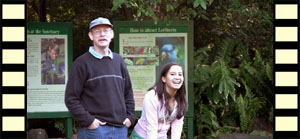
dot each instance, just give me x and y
(286, 69)
(13, 69)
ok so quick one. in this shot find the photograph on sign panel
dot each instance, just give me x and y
(171, 50)
(52, 60)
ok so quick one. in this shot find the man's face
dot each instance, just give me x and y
(101, 36)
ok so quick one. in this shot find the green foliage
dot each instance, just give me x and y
(213, 83)
(59, 124)
(248, 107)
(221, 83)
(257, 75)
(271, 115)
(203, 3)
(222, 130)
(185, 128)
(212, 123)
(260, 133)
(163, 9)
(233, 55)
(231, 74)
(206, 119)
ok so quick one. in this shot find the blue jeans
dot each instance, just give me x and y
(103, 132)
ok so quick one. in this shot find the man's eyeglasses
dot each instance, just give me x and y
(104, 31)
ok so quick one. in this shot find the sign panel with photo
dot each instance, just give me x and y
(47, 66)
(146, 48)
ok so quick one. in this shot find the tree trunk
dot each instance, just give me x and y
(34, 6)
(127, 12)
(42, 10)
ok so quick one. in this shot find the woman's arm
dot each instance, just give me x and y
(150, 108)
(176, 128)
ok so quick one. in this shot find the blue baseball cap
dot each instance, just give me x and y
(100, 21)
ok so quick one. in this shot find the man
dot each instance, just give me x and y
(99, 93)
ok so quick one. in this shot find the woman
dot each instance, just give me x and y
(164, 106)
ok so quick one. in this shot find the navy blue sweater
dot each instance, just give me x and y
(100, 88)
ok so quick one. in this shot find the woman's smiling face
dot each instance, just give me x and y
(174, 78)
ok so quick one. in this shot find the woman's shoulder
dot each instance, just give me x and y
(151, 99)
(151, 95)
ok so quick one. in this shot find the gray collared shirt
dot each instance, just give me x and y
(98, 55)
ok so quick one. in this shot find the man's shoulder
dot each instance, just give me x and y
(82, 58)
(116, 55)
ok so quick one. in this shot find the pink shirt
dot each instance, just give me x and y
(153, 123)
